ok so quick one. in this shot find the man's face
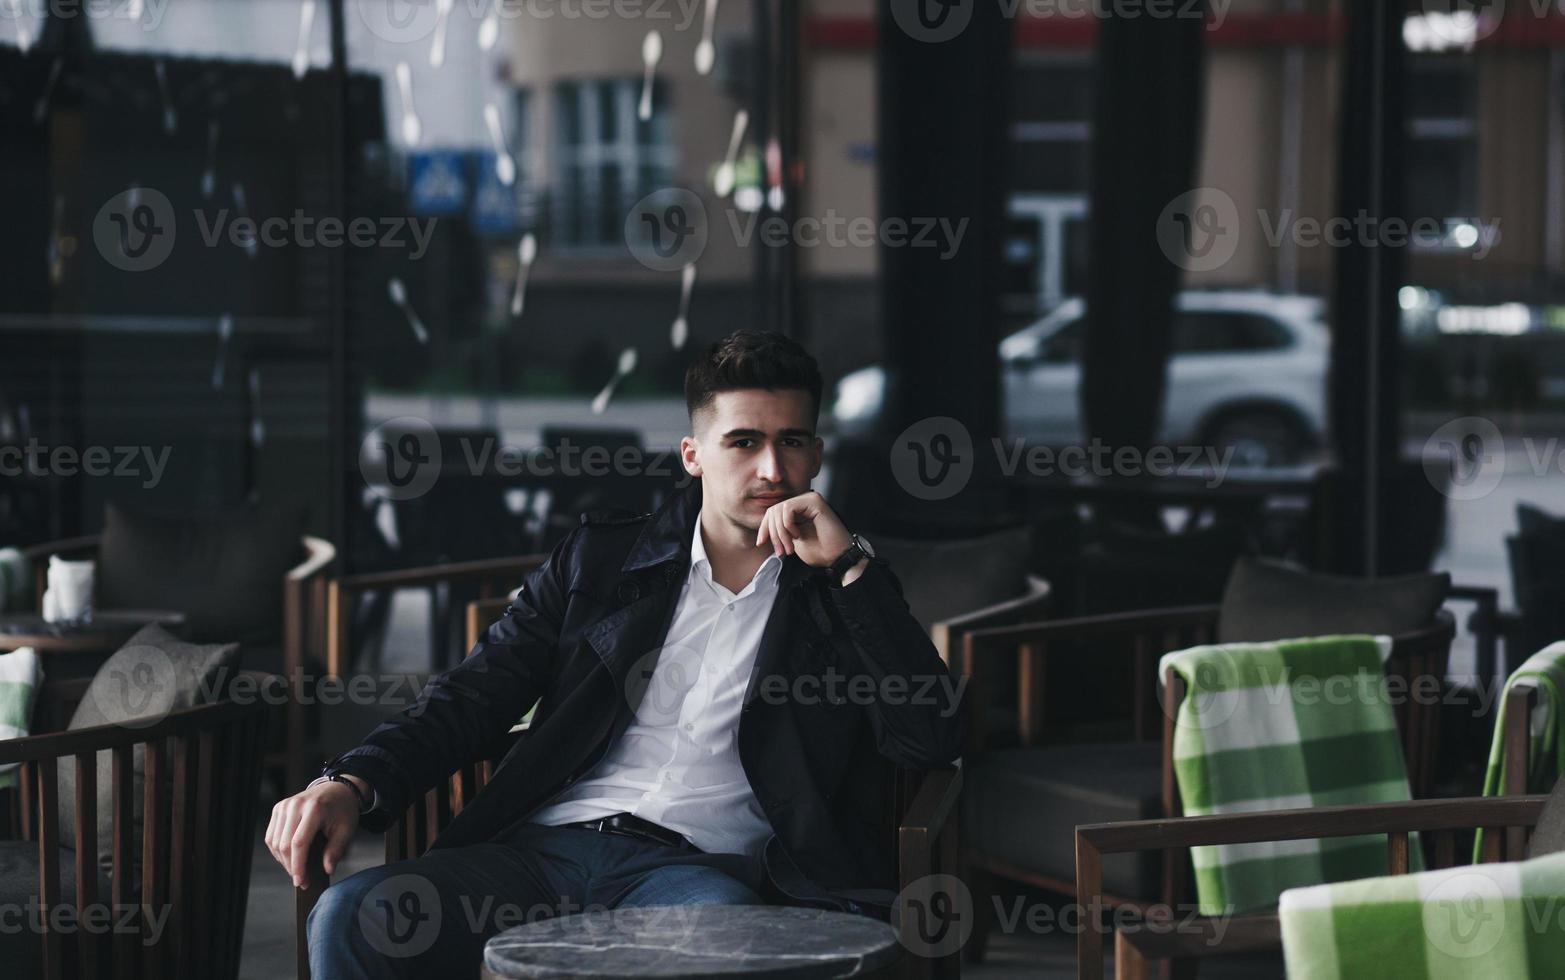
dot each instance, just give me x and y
(751, 449)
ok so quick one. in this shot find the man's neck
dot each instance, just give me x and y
(731, 550)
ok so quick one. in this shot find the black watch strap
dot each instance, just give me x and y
(849, 558)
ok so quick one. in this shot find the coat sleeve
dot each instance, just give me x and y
(464, 710)
(916, 706)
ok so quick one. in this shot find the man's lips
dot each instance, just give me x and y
(769, 498)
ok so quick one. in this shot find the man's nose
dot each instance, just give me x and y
(770, 466)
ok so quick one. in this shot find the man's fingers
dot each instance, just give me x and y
(281, 839)
(336, 846)
(299, 844)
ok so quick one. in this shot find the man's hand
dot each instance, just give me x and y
(328, 808)
(805, 526)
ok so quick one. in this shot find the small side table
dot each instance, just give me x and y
(694, 941)
(79, 649)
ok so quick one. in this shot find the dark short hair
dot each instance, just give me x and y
(752, 359)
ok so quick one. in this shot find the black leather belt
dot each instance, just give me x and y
(630, 825)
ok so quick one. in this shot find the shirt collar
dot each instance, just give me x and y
(701, 564)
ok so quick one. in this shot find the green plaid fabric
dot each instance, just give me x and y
(21, 675)
(1489, 920)
(1546, 746)
(1282, 726)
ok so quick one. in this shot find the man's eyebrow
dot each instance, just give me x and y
(757, 433)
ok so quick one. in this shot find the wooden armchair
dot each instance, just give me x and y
(922, 815)
(1009, 791)
(303, 632)
(1184, 937)
(200, 789)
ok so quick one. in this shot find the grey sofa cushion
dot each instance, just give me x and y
(1023, 806)
(223, 571)
(941, 579)
(21, 947)
(153, 674)
(1267, 600)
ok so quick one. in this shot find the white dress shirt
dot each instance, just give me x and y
(677, 763)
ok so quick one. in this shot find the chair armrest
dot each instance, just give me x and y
(319, 554)
(316, 881)
(511, 569)
(1394, 819)
(1006, 639)
(1149, 631)
(1029, 607)
(928, 860)
(932, 805)
(108, 737)
(460, 571)
(482, 612)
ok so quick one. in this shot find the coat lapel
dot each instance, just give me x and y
(772, 657)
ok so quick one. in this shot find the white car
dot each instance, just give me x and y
(1247, 372)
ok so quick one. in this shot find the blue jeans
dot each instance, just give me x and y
(430, 916)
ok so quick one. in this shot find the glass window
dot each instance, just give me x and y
(623, 160)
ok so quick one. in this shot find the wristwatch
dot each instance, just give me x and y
(857, 551)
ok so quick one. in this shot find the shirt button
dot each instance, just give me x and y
(689, 727)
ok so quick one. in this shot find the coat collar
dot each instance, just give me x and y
(666, 536)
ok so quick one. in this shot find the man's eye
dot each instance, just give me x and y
(742, 443)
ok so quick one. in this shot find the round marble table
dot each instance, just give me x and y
(694, 941)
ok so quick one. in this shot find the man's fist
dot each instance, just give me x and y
(805, 526)
(328, 808)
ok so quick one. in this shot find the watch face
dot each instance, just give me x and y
(863, 543)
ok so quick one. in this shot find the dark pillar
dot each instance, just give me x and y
(943, 112)
(1146, 141)
(1366, 342)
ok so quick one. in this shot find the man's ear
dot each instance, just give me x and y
(688, 453)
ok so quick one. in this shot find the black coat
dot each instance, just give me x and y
(581, 639)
